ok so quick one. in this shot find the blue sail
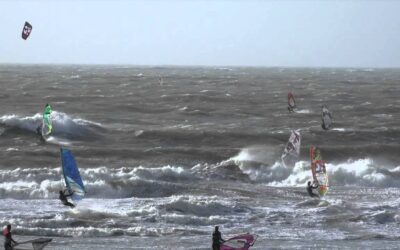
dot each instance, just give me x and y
(72, 177)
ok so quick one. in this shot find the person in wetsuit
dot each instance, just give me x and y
(310, 188)
(8, 241)
(63, 198)
(216, 239)
(39, 133)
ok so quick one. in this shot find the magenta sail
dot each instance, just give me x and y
(291, 102)
(239, 242)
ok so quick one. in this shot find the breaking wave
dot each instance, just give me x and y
(358, 172)
(166, 181)
(132, 217)
(63, 125)
(102, 182)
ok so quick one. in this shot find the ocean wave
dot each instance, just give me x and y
(63, 125)
(92, 231)
(166, 181)
(102, 182)
(203, 206)
(353, 172)
(99, 217)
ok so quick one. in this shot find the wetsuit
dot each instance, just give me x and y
(310, 188)
(39, 132)
(8, 240)
(64, 200)
(217, 239)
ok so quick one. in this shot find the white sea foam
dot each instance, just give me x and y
(100, 182)
(362, 172)
(384, 116)
(304, 111)
(12, 149)
(63, 125)
(58, 141)
(339, 129)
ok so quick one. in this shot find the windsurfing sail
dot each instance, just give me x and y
(26, 31)
(320, 171)
(37, 244)
(239, 242)
(72, 177)
(291, 102)
(47, 126)
(326, 118)
(323, 181)
(293, 145)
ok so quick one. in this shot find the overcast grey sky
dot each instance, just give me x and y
(238, 32)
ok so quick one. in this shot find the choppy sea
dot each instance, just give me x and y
(167, 153)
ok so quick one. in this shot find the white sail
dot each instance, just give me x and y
(326, 118)
(293, 145)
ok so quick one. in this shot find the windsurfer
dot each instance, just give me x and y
(63, 197)
(291, 103)
(8, 241)
(293, 145)
(216, 239)
(326, 114)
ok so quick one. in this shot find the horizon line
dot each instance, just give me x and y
(193, 66)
